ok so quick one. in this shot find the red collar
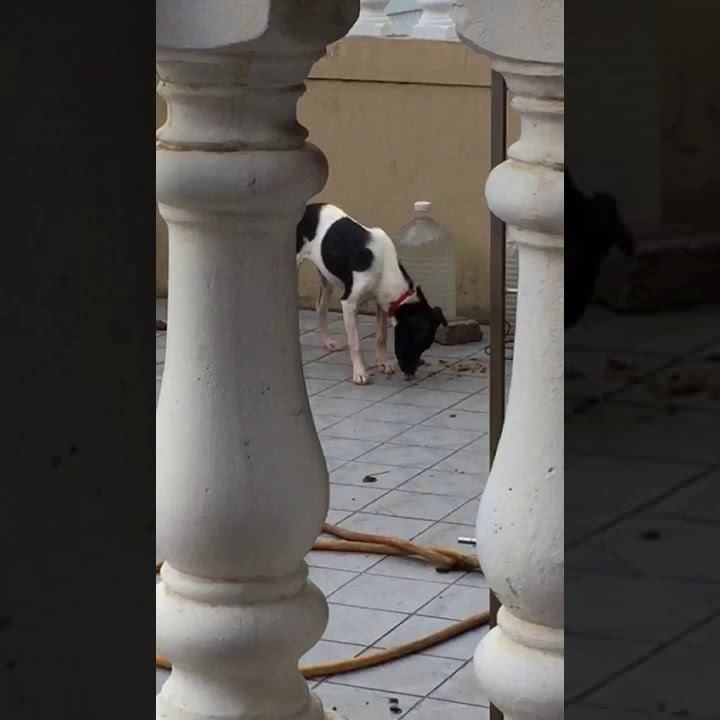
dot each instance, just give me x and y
(395, 305)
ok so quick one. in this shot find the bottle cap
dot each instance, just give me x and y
(423, 206)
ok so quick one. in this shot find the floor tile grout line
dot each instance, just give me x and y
(425, 653)
(679, 579)
(671, 459)
(620, 351)
(355, 574)
(688, 519)
(437, 494)
(330, 387)
(402, 488)
(680, 404)
(372, 609)
(643, 658)
(449, 677)
(616, 573)
(641, 507)
(599, 351)
(459, 583)
(623, 568)
(362, 507)
(415, 517)
(428, 696)
(417, 613)
(419, 698)
(449, 456)
(330, 681)
(613, 637)
(641, 714)
(438, 447)
(456, 702)
(409, 710)
(365, 572)
(385, 634)
(679, 462)
(382, 442)
(396, 577)
(406, 616)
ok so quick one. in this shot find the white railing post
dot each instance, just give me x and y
(373, 21)
(242, 487)
(520, 663)
(436, 22)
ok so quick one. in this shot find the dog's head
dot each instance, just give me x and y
(415, 326)
(594, 222)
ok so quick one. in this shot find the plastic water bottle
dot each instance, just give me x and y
(427, 253)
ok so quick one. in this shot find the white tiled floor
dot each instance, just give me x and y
(642, 504)
(425, 443)
(648, 500)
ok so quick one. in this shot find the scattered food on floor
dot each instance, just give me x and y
(615, 364)
(651, 535)
(686, 382)
(471, 367)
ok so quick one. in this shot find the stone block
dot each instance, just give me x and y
(459, 331)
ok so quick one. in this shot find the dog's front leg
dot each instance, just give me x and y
(381, 354)
(360, 375)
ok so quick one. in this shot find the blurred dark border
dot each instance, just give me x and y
(78, 239)
(642, 360)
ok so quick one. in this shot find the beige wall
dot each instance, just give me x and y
(403, 120)
(690, 112)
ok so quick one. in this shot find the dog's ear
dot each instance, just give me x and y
(421, 296)
(439, 316)
(605, 215)
(626, 243)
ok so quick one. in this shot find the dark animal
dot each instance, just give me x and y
(593, 226)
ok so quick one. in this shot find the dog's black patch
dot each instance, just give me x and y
(307, 227)
(345, 251)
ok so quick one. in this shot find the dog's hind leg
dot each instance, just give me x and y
(324, 297)
(360, 374)
(384, 363)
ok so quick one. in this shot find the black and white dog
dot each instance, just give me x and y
(363, 263)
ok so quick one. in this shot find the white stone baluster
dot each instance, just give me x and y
(436, 22)
(520, 663)
(373, 21)
(242, 487)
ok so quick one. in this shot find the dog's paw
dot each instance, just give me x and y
(331, 345)
(386, 367)
(360, 376)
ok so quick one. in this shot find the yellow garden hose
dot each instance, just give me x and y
(444, 559)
